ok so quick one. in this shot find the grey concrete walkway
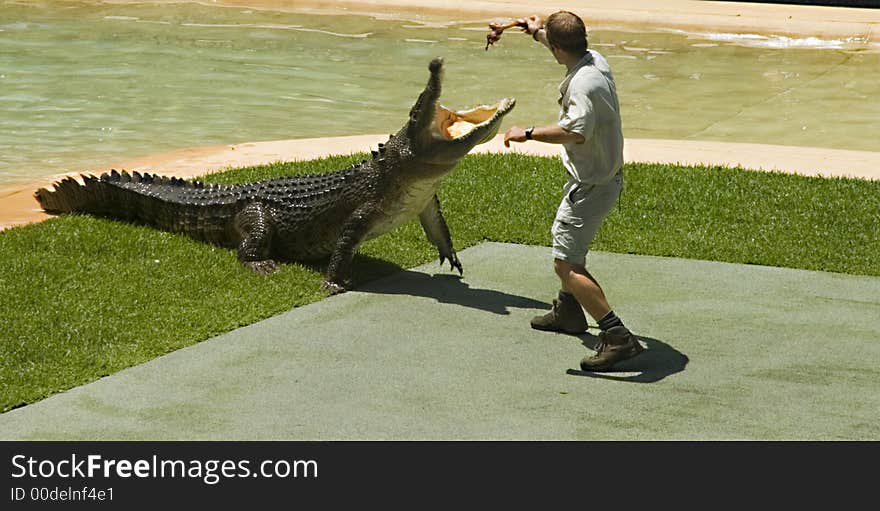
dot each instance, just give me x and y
(734, 352)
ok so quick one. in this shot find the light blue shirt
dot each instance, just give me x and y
(589, 106)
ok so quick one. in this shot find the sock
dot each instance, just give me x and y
(567, 298)
(609, 321)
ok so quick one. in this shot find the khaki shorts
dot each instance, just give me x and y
(580, 215)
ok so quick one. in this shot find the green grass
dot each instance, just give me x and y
(82, 298)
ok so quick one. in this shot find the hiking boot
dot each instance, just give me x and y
(566, 317)
(615, 344)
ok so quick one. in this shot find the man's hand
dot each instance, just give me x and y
(533, 24)
(514, 134)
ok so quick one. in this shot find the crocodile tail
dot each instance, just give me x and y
(66, 197)
(113, 195)
(146, 199)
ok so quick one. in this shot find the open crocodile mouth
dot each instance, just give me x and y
(458, 124)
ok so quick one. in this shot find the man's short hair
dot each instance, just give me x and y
(566, 30)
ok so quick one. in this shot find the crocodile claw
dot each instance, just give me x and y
(264, 267)
(333, 288)
(454, 263)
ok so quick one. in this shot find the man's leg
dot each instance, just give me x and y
(578, 218)
(616, 342)
(579, 283)
(576, 280)
(577, 289)
(565, 316)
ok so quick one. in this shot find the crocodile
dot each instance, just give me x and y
(305, 218)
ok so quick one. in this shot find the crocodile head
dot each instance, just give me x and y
(441, 136)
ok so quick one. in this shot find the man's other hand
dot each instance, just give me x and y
(514, 134)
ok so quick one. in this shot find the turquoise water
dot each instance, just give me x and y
(83, 85)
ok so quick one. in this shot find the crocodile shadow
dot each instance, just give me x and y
(658, 361)
(446, 288)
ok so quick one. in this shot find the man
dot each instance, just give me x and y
(589, 130)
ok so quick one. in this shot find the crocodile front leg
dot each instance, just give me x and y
(254, 225)
(354, 230)
(437, 231)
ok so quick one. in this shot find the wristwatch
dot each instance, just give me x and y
(529, 131)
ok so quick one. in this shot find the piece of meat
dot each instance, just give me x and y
(496, 29)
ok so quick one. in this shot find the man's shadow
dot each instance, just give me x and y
(656, 362)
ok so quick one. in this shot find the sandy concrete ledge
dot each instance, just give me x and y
(18, 207)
